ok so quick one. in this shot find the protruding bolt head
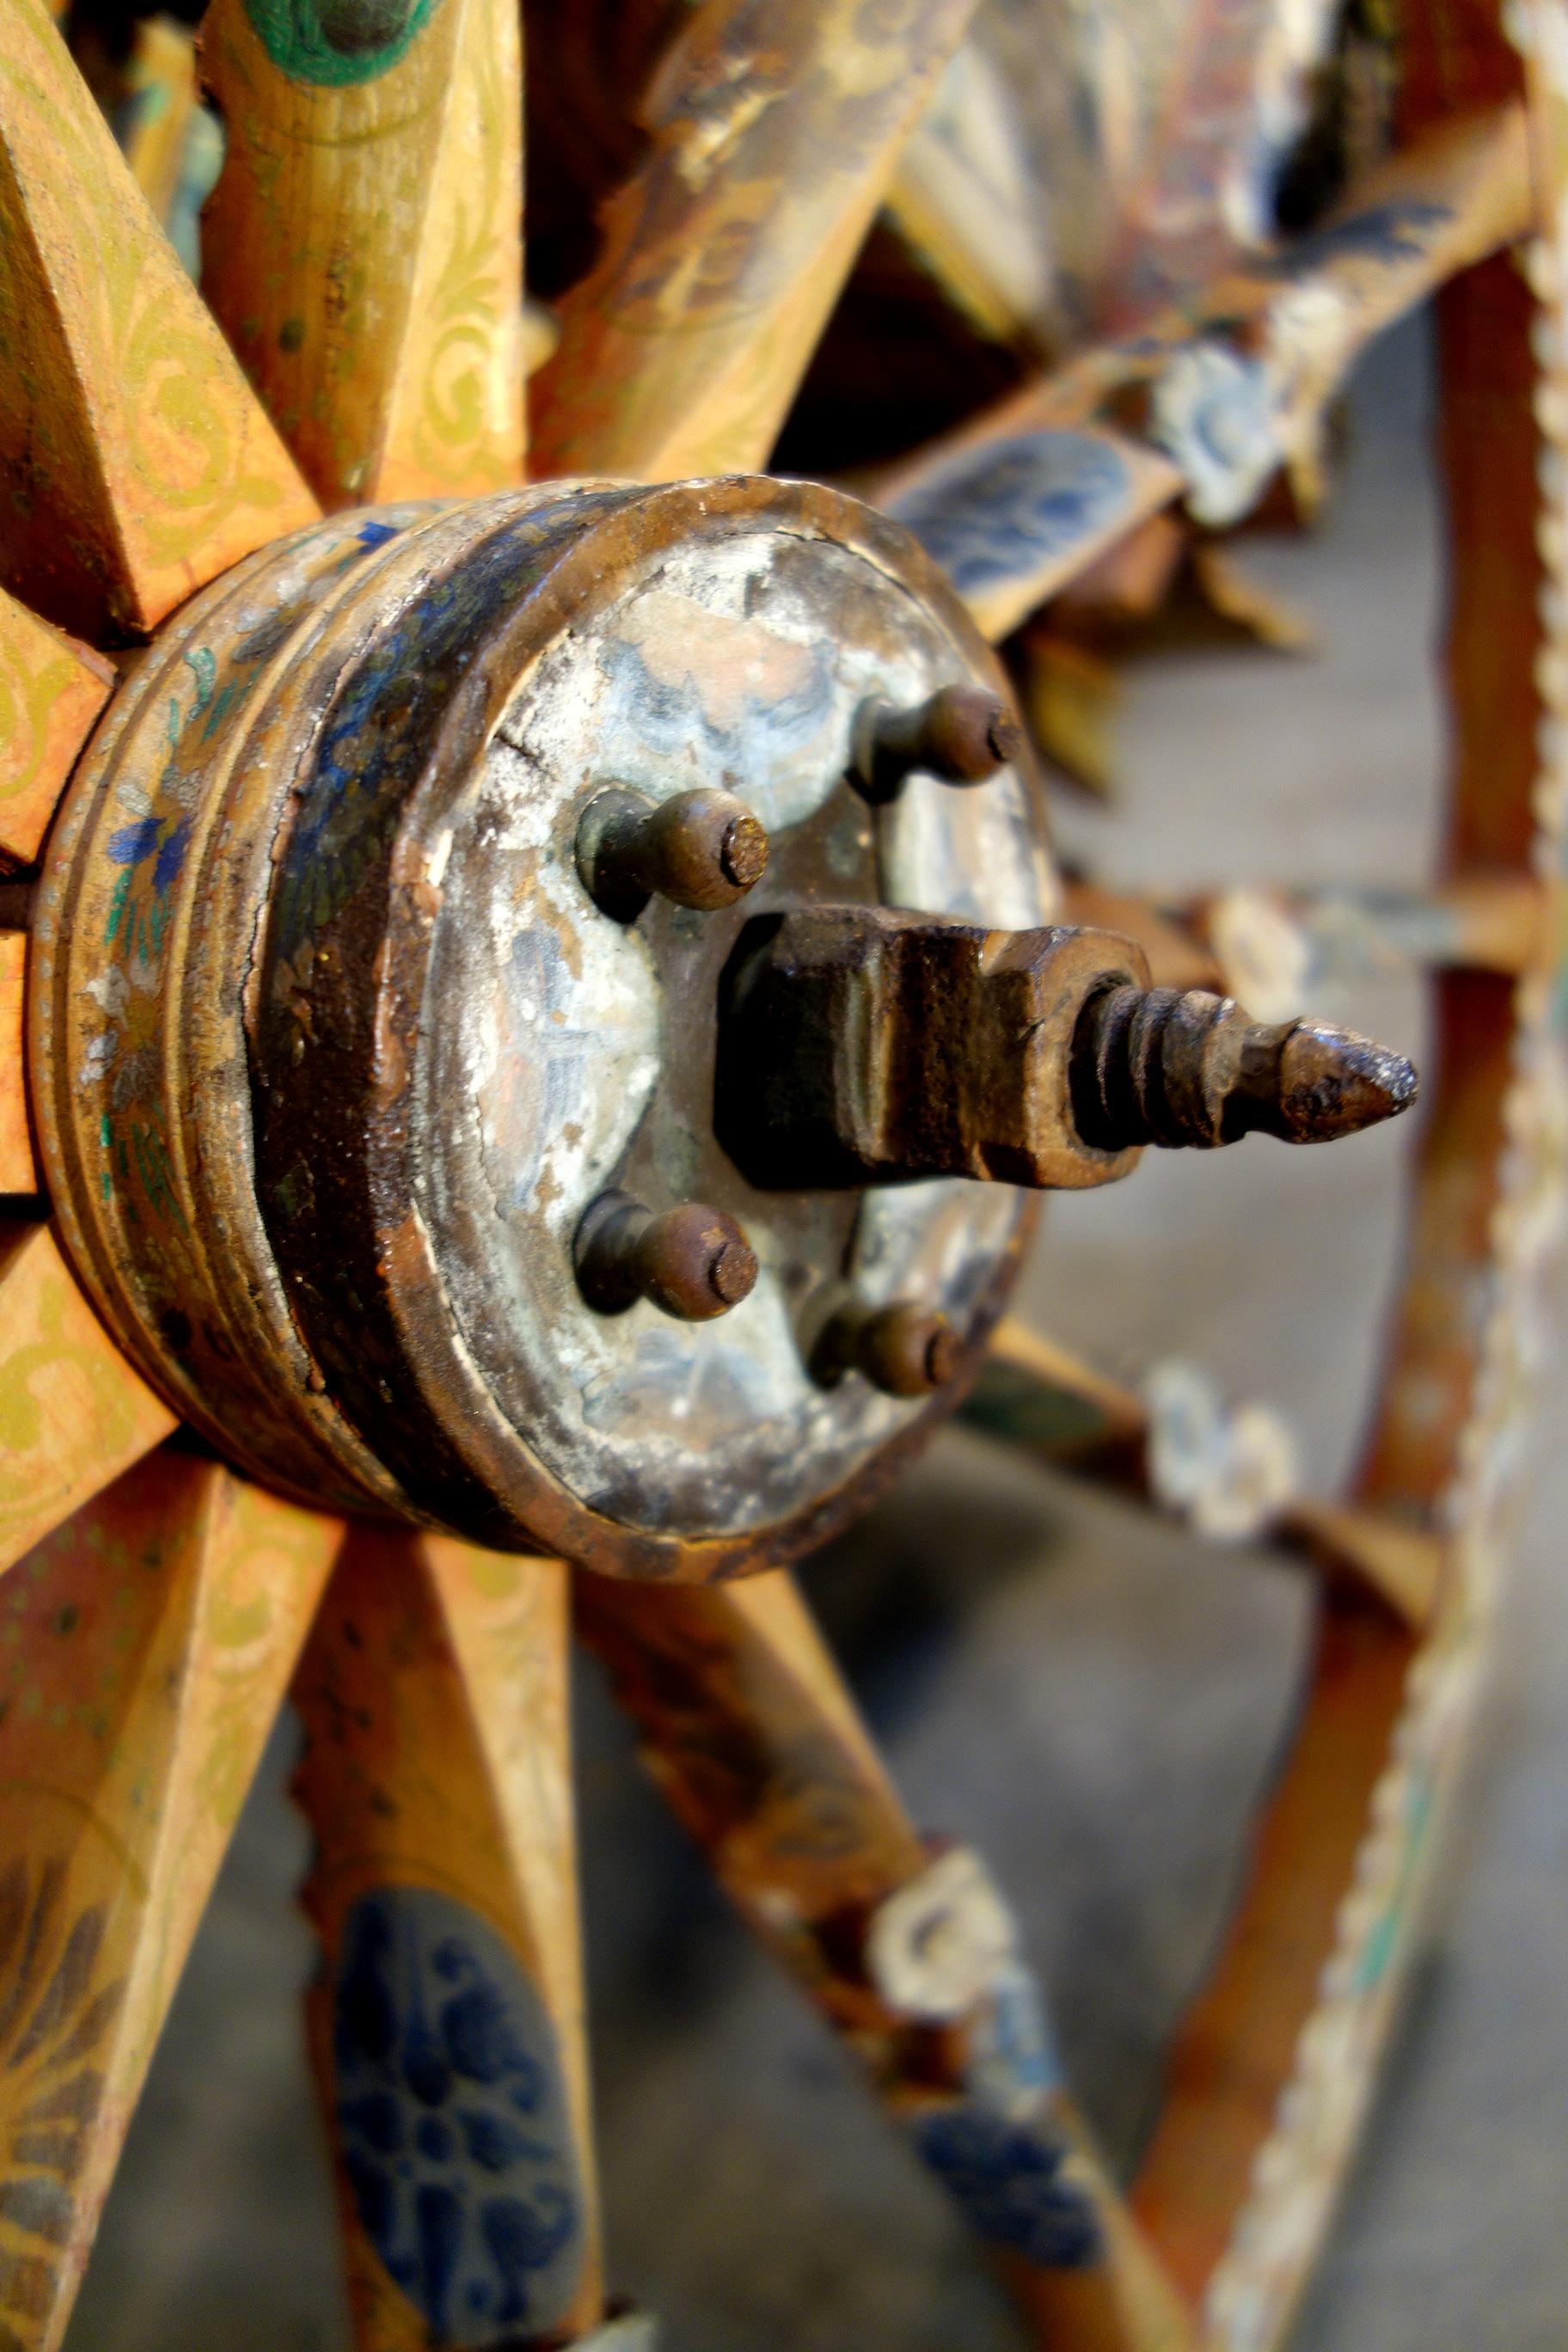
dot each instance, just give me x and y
(962, 735)
(1151, 1065)
(691, 1262)
(702, 849)
(905, 1350)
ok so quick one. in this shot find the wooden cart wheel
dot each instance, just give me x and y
(484, 957)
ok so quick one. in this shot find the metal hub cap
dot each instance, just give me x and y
(381, 952)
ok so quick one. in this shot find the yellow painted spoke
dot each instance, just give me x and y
(446, 2028)
(363, 246)
(144, 1649)
(135, 461)
(51, 690)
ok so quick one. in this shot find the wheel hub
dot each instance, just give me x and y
(338, 1050)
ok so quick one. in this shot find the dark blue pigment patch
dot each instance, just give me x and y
(1000, 513)
(132, 843)
(171, 855)
(452, 2117)
(1399, 230)
(1006, 2178)
(376, 534)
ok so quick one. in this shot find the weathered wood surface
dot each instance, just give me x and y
(73, 1414)
(363, 247)
(148, 1644)
(135, 461)
(18, 1170)
(907, 1948)
(775, 127)
(446, 2026)
(51, 690)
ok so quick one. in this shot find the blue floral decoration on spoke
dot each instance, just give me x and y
(1001, 512)
(452, 2118)
(1006, 2178)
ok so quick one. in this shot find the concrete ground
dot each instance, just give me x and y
(1090, 1699)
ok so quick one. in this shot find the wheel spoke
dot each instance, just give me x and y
(1269, 341)
(447, 2029)
(751, 1733)
(17, 1173)
(51, 690)
(1465, 1349)
(75, 1415)
(1013, 520)
(1238, 2043)
(136, 461)
(776, 125)
(1225, 1471)
(1274, 948)
(154, 114)
(363, 247)
(152, 1640)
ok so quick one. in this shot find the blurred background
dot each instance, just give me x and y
(1090, 1696)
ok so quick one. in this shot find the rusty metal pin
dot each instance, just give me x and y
(703, 849)
(962, 735)
(693, 1262)
(1153, 1066)
(905, 1350)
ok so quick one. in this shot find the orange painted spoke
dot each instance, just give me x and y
(751, 1733)
(147, 1646)
(134, 459)
(363, 247)
(73, 1414)
(51, 690)
(1222, 1470)
(776, 127)
(446, 2028)
(17, 1173)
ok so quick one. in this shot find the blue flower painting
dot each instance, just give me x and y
(1002, 511)
(452, 2118)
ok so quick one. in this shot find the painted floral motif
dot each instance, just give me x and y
(55, 2015)
(1009, 2182)
(452, 2119)
(1016, 505)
